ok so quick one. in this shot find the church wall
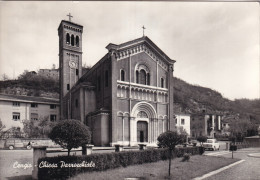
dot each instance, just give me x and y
(123, 105)
(120, 129)
(75, 105)
(162, 74)
(114, 106)
(90, 101)
(123, 128)
(99, 125)
(162, 109)
(151, 64)
(103, 89)
(123, 65)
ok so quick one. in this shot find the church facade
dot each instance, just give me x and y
(125, 98)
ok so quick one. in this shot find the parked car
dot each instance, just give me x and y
(211, 144)
(13, 143)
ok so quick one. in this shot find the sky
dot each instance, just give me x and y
(215, 44)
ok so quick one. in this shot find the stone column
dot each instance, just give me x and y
(123, 130)
(149, 131)
(155, 130)
(132, 130)
(38, 152)
(152, 130)
(163, 125)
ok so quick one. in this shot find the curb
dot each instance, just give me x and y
(256, 155)
(217, 171)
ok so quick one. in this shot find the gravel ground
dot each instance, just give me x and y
(247, 170)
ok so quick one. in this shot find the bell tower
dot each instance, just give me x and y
(70, 56)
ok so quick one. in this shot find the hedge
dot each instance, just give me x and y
(51, 167)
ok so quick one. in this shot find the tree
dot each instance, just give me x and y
(169, 140)
(202, 139)
(70, 134)
(38, 128)
(241, 128)
(5, 77)
(2, 127)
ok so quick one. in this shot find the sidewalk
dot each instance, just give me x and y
(247, 170)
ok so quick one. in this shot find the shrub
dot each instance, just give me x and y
(202, 139)
(105, 161)
(186, 157)
(70, 134)
(201, 150)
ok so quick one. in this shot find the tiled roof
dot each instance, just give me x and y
(44, 100)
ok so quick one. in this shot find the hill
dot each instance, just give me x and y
(194, 99)
(30, 84)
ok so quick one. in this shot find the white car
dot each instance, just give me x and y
(211, 144)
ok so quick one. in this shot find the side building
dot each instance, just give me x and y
(49, 73)
(15, 109)
(182, 122)
(206, 124)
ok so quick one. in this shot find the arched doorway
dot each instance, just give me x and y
(143, 124)
(142, 131)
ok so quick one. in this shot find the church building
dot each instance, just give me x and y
(125, 98)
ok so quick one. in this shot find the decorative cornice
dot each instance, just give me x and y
(135, 85)
(72, 50)
(139, 48)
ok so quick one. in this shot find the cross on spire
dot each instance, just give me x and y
(70, 16)
(143, 30)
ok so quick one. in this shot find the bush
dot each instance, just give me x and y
(186, 157)
(201, 150)
(202, 139)
(105, 161)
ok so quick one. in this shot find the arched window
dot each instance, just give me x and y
(77, 41)
(148, 78)
(142, 77)
(162, 82)
(142, 74)
(122, 75)
(137, 76)
(67, 38)
(72, 40)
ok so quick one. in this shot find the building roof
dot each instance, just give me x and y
(29, 99)
(141, 40)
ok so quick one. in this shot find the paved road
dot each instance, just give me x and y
(247, 170)
(9, 168)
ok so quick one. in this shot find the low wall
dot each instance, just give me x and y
(2, 144)
(253, 141)
(38, 142)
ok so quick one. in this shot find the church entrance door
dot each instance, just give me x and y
(142, 131)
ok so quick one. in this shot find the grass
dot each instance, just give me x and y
(196, 166)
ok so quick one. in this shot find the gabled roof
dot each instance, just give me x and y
(143, 39)
(29, 99)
